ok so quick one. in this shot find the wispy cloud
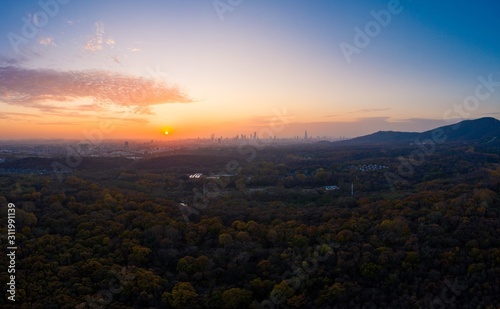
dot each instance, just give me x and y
(359, 111)
(46, 40)
(370, 110)
(64, 123)
(97, 41)
(115, 58)
(16, 116)
(6, 61)
(110, 42)
(258, 121)
(93, 121)
(43, 88)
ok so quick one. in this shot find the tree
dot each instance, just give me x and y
(183, 295)
(331, 294)
(225, 239)
(139, 254)
(370, 270)
(236, 298)
(296, 301)
(281, 292)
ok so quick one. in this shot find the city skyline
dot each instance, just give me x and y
(128, 70)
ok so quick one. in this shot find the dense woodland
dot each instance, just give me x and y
(114, 234)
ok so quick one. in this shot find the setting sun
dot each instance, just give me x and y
(166, 132)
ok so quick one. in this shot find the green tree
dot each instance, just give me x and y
(225, 239)
(370, 270)
(183, 295)
(281, 292)
(236, 298)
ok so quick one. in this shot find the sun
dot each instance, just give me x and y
(166, 131)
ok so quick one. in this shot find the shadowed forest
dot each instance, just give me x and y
(304, 226)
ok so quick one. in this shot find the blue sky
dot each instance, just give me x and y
(185, 67)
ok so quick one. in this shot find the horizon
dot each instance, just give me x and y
(205, 138)
(134, 71)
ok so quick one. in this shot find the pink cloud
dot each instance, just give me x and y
(36, 88)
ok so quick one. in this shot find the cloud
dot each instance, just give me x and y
(359, 111)
(63, 123)
(6, 61)
(275, 120)
(259, 120)
(96, 41)
(16, 116)
(46, 41)
(93, 121)
(370, 110)
(44, 88)
(110, 42)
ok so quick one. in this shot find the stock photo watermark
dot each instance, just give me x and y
(116, 285)
(225, 6)
(448, 295)
(11, 251)
(364, 36)
(302, 270)
(95, 137)
(74, 155)
(483, 91)
(406, 169)
(212, 189)
(33, 24)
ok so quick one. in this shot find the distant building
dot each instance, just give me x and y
(369, 167)
(84, 148)
(330, 188)
(219, 176)
(305, 134)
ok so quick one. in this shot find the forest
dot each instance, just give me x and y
(299, 226)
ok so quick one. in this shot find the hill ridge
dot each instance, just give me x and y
(480, 130)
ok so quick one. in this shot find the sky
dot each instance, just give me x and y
(137, 69)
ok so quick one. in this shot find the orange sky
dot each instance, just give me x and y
(182, 67)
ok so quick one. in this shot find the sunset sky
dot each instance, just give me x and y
(194, 68)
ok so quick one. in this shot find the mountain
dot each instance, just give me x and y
(481, 130)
